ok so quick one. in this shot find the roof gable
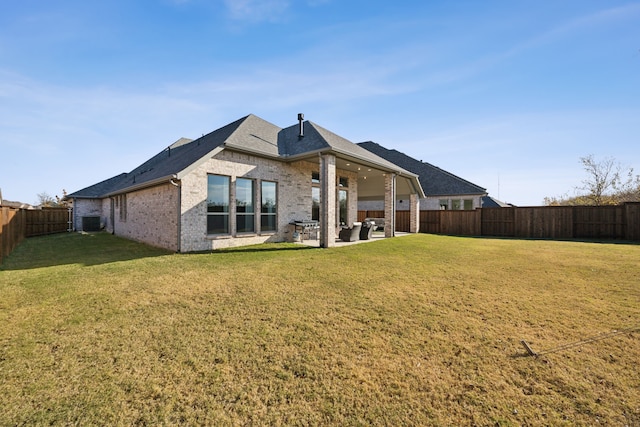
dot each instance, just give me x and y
(434, 181)
(256, 135)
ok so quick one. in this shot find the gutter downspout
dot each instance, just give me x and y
(177, 183)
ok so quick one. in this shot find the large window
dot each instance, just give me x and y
(315, 203)
(343, 184)
(315, 196)
(342, 207)
(218, 205)
(245, 212)
(269, 207)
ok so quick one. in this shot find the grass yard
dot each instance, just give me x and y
(417, 330)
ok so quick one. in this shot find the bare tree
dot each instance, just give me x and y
(603, 179)
(63, 201)
(45, 200)
(607, 183)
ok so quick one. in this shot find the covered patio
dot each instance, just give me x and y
(370, 177)
(377, 236)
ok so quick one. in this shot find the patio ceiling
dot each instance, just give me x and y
(371, 181)
(371, 178)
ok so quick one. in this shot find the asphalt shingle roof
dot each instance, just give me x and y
(165, 164)
(251, 134)
(434, 181)
(97, 190)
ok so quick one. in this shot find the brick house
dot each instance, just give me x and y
(244, 184)
(443, 190)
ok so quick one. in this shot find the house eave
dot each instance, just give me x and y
(142, 185)
(453, 194)
(257, 153)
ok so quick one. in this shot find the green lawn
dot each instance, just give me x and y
(416, 330)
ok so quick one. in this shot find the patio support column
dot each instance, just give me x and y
(327, 200)
(414, 214)
(390, 205)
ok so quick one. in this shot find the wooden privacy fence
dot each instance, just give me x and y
(12, 228)
(544, 222)
(16, 224)
(48, 221)
(402, 220)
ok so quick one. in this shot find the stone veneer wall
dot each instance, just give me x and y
(294, 198)
(151, 216)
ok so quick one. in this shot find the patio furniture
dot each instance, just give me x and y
(306, 227)
(379, 222)
(351, 234)
(367, 230)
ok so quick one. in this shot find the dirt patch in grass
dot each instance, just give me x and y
(418, 330)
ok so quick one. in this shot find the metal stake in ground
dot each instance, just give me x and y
(528, 348)
(578, 343)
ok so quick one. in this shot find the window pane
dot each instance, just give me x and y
(456, 205)
(315, 203)
(244, 223)
(315, 177)
(218, 224)
(468, 205)
(343, 182)
(244, 206)
(268, 223)
(244, 195)
(218, 194)
(342, 206)
(268, 197)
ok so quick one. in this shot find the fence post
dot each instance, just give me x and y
(2, 236)
(632, 211)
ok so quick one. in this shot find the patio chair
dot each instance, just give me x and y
(367, 230)
(351, 234)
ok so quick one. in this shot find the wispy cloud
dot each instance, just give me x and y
(484, 61)
(253, 11)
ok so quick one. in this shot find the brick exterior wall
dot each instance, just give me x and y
(152, 213)
(328, 204)
(106, 214)
(151, 216)
(87, 207)
(389, 212)
(414, 219)
(293, 191)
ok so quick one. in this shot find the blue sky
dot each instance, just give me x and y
(506, 94)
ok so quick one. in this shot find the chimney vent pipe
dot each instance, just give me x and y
(300, 125)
